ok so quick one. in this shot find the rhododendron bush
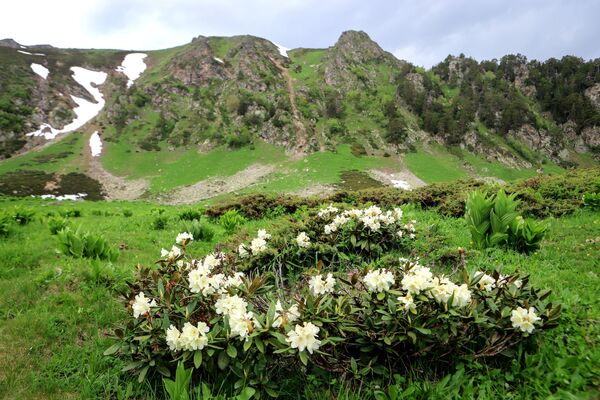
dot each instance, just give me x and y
(231, 313)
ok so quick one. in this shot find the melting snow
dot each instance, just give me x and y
(282, 50)
(132, 66)
(85, 110)
(401, 184)
(95, 144)
(217, 59)
(31, 54)
(78, 196)
(40, 70)
(23, 47)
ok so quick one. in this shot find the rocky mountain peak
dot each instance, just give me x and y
(10, 43)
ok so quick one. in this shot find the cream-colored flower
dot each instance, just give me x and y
(417, 279)
(258, 245)
(142, 304)
(172, 337)
(283, 317)
(487, 282)
(262, 234)
(242, 251)
(304, 337)
(407, 302)
(379, 280)
(193, 337)
(184, 238)
(524, 319)
(318, 285)
(303, 240)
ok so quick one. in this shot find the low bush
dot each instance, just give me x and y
(200, 230)
(57, 224)
(494, 221)
(6, 222)
(71, 213)
(362, 322)
(76, 243)
(190, 215)
(127, 213)
(23, 216)
(231, 220)
(592, 200)
(160, 220)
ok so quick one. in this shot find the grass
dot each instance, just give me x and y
(58, 311)
(437, 165)
(63, 156)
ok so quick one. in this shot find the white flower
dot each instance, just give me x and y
(193, 337)
(141, 305)
(304, 337)
(318, 285)
(184, 237)
(408, 302)
(241, 324)
(340, 220)
(325, 212)
(399, 233)
(173, 335)
(371, 222)
(379, 280)
(486, 282)
(524, 319)
(230, 305)
(282, 317)
(417, 279)
(398, 213)
(174, 253)
(329, 228)
(442, 289)
(303, 240)
(373, 211)
(212, 261)
(354, 213)
(462, 296)
(201, 282)
(242, 251)
(387, 218)
(258, 245)
(234, 280)
(412, 236)
(262, 234)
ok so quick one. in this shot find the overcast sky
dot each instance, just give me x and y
(421, 31)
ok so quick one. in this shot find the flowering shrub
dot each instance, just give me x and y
(363, 320)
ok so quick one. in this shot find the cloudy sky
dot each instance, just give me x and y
(421, 31)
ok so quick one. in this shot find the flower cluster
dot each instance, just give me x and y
(318, 285)
(190, 338)
(141, 305)
(202, 280)
(304, 337)
(184, 238)
(303, 240)
(379, 280)
(172, 254)
(257, 245)
(283, 317)
(524, 319)
(235, 308)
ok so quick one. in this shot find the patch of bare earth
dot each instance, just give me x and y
(397, 178)
(212, 187)
(315, 190)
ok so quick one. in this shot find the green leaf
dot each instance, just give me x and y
(424, 331)
(142, 374)
(112, 349)
(198, 359)
(231, 351)
(222, 360)
(303, 357)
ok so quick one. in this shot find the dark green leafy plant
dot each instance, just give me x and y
(6, 222)
(231, 220)
(70, 213)
(190, 215)
(200, 230)
(57, 224)
(493, 221)
(23, 216)
(592, 200)
(84, 245)
(178, 389)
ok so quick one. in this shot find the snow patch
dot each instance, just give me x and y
(132, 66)
(95, 144)
(399, 184)
(217, 59)
(23, 47)
(40, 70)
(282, 50)
(30, 54)
(85, 110)
(74, 197)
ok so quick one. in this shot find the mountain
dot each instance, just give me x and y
(236, 92)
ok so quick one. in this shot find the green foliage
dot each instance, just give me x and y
(6, 222)
(178, 389)
(231, 219)
(23, 216)
(70, 213)
(200, 230)
(160, 222)
(57, 224)
(79, 244)
(127, 213)
(190, 214)
(494, 221)
(592, 200)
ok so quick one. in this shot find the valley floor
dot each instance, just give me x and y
(57, 313)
